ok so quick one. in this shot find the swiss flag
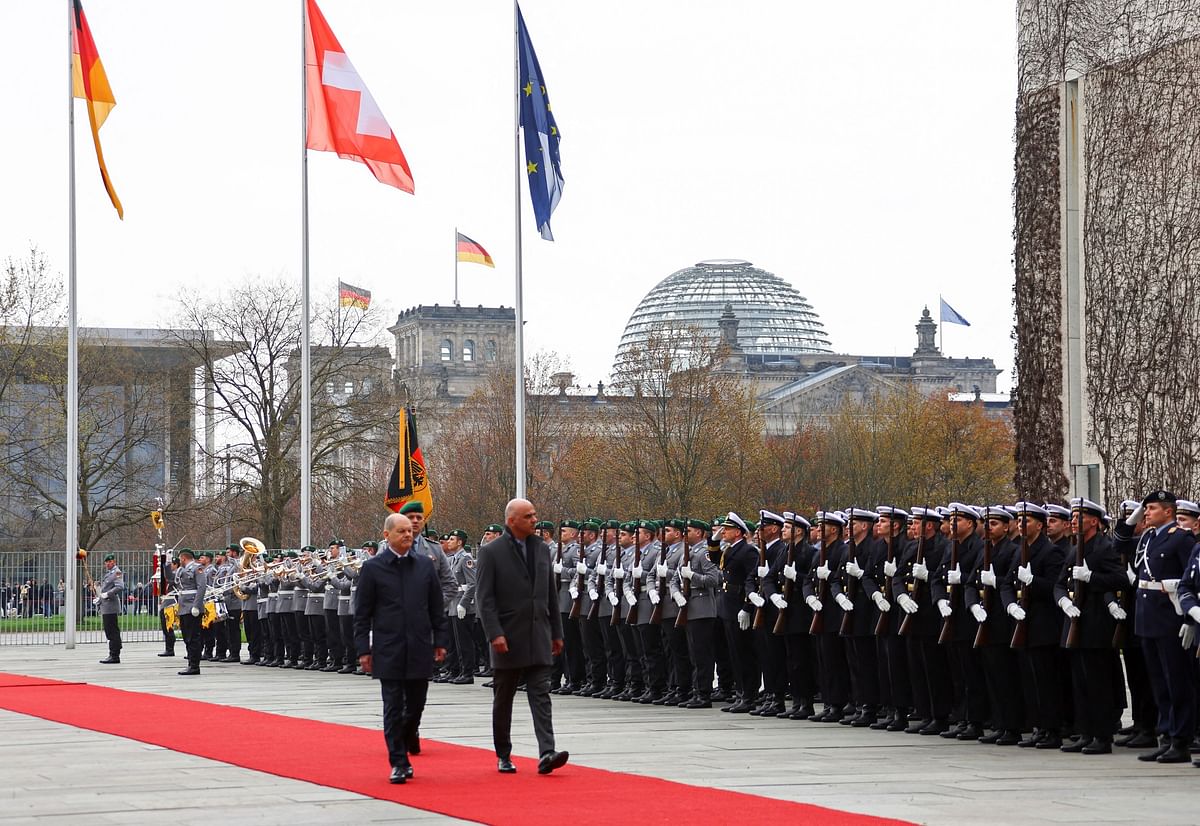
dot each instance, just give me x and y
(342, 115)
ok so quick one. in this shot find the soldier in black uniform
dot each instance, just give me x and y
(800, 650)
(769, 646)
(739, 561)
(831, 646)
(852, 591)
(894, 681)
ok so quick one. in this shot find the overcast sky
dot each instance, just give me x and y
(862, 151)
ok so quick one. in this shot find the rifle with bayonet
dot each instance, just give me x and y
(851, 586)
(594, 611)
(760, 613)
(881, 625)
(948, 623)
(656, 616)
(906, 624)
(631, 618)
(1078, 594)
(685, 584)
(580, 579)
(822, 594)
(981, 633)
(1020, 631)
(558, 559)
(788, 586)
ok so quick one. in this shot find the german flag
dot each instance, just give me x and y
(351, 296)
(409, 480)
(91, 84)
(471, 252)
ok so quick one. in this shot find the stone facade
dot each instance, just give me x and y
(447, 350)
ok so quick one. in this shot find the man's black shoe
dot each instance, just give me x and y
(110, 660)
(1050, 741)
(1178, 752)
(505, 766)
(332, 667)
(190, 671)
(696, 702)
(935, 727)
(741, 707)
(167, 654)
(1097, 746)
(1009, 738)
(398, 776)
(1075, 746)
(489, 684)
(463, 679)
(346, 669)
(552, 760)
(1137, 740)
(971, 732)
(1164, 745)
(412, 744)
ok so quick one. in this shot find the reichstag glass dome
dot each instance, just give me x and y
(775, 322)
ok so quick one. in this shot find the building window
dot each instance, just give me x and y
(366, 387)
(447, 349)
(329, 388)
(468, 350)
(349, 388)
(491, 349)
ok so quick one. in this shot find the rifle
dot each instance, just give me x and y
(1125, 598)
(594, 611)
(1077, 596)
(685, 585)
(818, 620)
(851, 582)
(760, 614)
(1019, 630)
(558, 559)
(618, 552)
(631, 618)
(906, 624)
(948, 623)
(881, 626)
(656, 615)
(788, 586)
(580, 583)
(981, 634)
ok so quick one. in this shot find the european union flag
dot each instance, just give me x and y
(541, 134)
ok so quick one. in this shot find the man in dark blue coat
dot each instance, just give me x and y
(399, 632)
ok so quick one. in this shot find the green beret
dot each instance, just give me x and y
(717, 520)
(431, 533)
(176, 560)
(494, 528)
(648, 525)
(590, 525)
(611, 523)
(629, 527)
(187, 551)
(333, 542)
(678, 524)
(460, 533)
(370, 543)
(569, 523)
(203, 554)
(751, 525)
(699, 523)
(413, 506)
(309, 548)
(110, 557)
(595, 519)
(444, 537)
(543, 525)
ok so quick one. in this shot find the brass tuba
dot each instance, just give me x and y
(249, 563)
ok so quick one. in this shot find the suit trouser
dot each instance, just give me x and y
(573, 664)
(1002, 674)
(482, 649)
(1172, 678)
(970, 687)
(631, 647)
(929, 670)
(893, 669)
(316, 630)
(801, 667)
(1041, 683)
(346, 628)
(653, 657)
(593, 647)
(304, 633)
(1095, 702)
(681, 658)
(403, 702)
(112, 633)
(864, 671)
(189, 627)
(537, 689)
(1141, 695)
(168, 633)
(742, 659)
(464, 644)
(772, 653)
(614, 652)
(333, 633)
(701, 641)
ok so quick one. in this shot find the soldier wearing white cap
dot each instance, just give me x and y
(770, 647)
(800, 650)
(818, 594)
(853, 590)
(895, 685)
(739, 562)
(1140, 734)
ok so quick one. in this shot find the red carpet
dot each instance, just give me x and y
(453, 780)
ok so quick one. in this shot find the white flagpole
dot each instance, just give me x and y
(518, 340)
(72, 490)
(456, 266)
(305, 366)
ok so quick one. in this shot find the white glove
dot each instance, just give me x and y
(881, 602)
(954, 576)
(1025, 573)
(1194, 613)
(763, 570)
(1081, 572)
(95, 600)
(593, 594)
(921, 571)
(461, 610)
(757, 599)
(789, 571)
(1016, 612)
(631, 599)
(581, 568)
(654, 597)
(602, 569)
(1118, 613)
(908, 604)
(778, 601)
(195, 611)
(1136, 516)
(1068, 607)
(679, 598)
(823, 571)
(1187, 635)
(558, 569)
(944, 607)
(988, 576)
(1171, 586)
(743, 620)
(573, 592)
(660, 570)
(639, 572)
(854, 569)
(105, 594)
(618, 573)
(613, 598)
(813, 603)
(685, 571)
(844, 602)
(1130, 575)
(889, 568)
(462, 589)
(978, 613)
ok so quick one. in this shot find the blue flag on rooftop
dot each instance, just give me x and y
(951, 315)
(541, 134)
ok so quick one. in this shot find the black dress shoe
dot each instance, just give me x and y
(231, 659)
(346, 669)
(989, 739)
(741, 707)
(412, 744)
(1139, 740)
(625, 696)
(1097, 746)
(670, 698)
(971, 732)
(552, 760)
(952, 732)
(936, 727)
(190, 671)
(505, 766)
(331, 668)
(167, 654)
(1009, 738)
(489, 684)
(696, 702)
(1050, 741)
(803, 712)
(1179, 752)
(1128, 731)
(1164, 745)
(1075, 746)
(110, 660)
(251, 661)
(463, 679)
(398, 776)
(897, 724)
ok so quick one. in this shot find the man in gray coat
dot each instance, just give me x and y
(109, 594)
(517, 603)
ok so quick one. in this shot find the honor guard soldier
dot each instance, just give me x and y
(1141, 733)
(674, 635)
(593, 542)
(769, 646)
(694, 591)
(853, 589)
(1161, 559)
(800, 651)
(739, 563)
(827, 617)
(618, 596)
(570, 666)
(415, 511)
(190, 583)
(640, 591)
(108, 601)
(958, 629)
(894, 681)
(462, 606)
(602, 593)
(1189, 602)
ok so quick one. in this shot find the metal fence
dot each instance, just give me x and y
(33, 598)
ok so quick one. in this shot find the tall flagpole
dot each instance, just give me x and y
(518, 340)
(72, 491)
(305, 366)
(456, 266)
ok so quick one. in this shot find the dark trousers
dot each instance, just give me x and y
(801, 667)
(112, 633)
(1141, 696)
(168, 634)
(681, 658)
(653, 658)
(537, 689)
(1041, 684)
(835, 671)
(1172, 679)
(346, 626)
(333, 637)
(1002, 674)
(772, 654)
(631, 649)
(208, 636)
(233, 633)
(701, 642)
(864, 672)
(929, 670)
(573, 663)
(893, 668)
(275, 649)
(721, 661)
(464, 644)
(970, 688)
(403, 704)
(293, 645)
(1095, 702)
(189, 627)
(252, 625)
(451, 664)
(320, 645)
(742, 659)
(593, 647)
(614, 653)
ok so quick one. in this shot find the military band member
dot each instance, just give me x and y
(334, 643)
(314, 583)
(342, 582)
(300, 606)
(462, 606)
(110, 596)
(831, 647)
(270, 638)
(208, 636)
(288, 581)
(966, 670)
(190, 584)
